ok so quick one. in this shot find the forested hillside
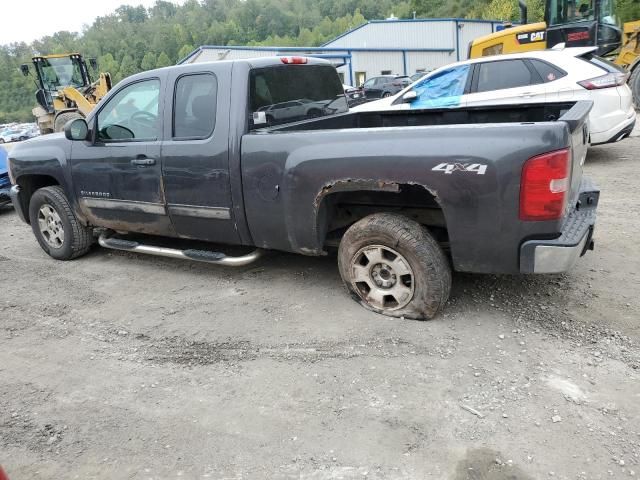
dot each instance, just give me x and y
(134, 38)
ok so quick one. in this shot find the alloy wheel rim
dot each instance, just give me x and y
(382, 277)
(51, 226)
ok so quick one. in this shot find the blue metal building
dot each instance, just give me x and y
(377, 47)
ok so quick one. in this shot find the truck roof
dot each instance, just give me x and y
(255, 62)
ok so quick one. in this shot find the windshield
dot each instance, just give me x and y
(290, 93)
(570, 11)
(443, 88)
(60, 72)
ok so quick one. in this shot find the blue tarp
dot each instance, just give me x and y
(444, 89)
(3, 161)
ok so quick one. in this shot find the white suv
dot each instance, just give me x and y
(554, 75)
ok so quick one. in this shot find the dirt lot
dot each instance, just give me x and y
(125, 366)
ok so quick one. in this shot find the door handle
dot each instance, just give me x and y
(527, 94)
(145, 162)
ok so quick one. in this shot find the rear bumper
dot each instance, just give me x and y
(614, 134)
(560, 254)
(14, 193)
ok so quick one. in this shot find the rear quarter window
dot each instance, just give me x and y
(547, 72)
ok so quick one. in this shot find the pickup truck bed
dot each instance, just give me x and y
(406, 196)
(325, 169)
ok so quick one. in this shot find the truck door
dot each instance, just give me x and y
(195, 154)
(117, 176)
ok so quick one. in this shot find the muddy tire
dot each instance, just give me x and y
(56, 227)
(393, 266)
(62, 119)
(634, 85)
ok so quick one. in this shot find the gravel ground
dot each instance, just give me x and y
(125, 366)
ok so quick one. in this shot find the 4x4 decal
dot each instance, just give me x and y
(449, 168)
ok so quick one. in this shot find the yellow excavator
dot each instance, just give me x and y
(576, 23)
(65, 89)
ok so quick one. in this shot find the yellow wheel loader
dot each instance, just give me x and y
(576, 23)
(65, 89)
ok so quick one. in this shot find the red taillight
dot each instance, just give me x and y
(544, 185)
(605, 81)
(293, 60)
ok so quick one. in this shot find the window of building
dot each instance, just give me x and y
(361, 77)
(385, 72)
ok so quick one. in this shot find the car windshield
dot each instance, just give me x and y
(289, 93)
(60, 72)
(571, 11)
(441, 89)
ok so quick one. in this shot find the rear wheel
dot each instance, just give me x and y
(56, 227)
(634, 84)
(62, 119)
(386, 95)
(392, 265)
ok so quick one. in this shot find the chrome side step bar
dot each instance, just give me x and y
(107, 241)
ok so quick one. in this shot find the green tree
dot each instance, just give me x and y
(185, 50)
(128, 67)
(149, 61)
(163, 60)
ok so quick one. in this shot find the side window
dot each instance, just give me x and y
(503, 74)
(548, 72)
(131, 114)
(369, 83)
(441, 89)
(194, 107)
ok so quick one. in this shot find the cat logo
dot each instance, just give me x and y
(537, 37)
(531, 37)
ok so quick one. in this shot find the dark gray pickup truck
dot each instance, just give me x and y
(264, 153)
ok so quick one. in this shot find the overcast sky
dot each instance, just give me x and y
(27, 20)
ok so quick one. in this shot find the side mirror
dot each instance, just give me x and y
(409, 97)
(24, 68)
(94, 63)
(76, 129)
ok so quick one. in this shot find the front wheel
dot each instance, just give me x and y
(56, 227)
(393, 266)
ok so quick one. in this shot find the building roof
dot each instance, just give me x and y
(402, 33)
(398, 35)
